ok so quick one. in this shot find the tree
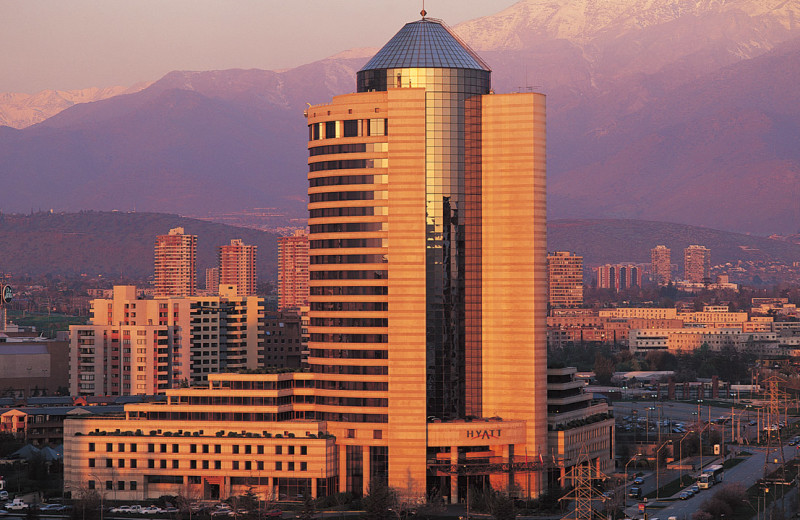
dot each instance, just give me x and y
(86, 505)
(502, 507)
(380, 503)
(603, 369)
(308, 511)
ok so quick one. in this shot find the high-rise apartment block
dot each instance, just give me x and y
(564, 280)
(133, 346)
(293, 270)
(697, 264)
(661, 265)
(427, 322)
(175, 264)
(237, 266)
(619, 276)
(212, 280)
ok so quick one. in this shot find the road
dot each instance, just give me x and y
(745, 473)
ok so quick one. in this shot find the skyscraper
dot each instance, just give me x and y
(237, 266)
(697, 264)
(293, 270)
(564, 280)
(175, 264)
(425, 309)
(661, 265)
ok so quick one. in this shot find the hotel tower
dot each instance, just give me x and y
(427, 294)
(427, 264)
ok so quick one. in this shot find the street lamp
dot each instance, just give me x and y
(669, 442)
(625, 487)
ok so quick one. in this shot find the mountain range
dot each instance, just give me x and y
(664, 110)
(119, 245)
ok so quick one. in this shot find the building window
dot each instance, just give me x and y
(175, 448)
(235, 464)
(205, 464)
(303, 466)
(133, 463)
(91, 448)
(91, 463)
(247, 465)
(205, 448)
(109, 446)
(192, 464)
(235, 448)
(174, 464)
(260, 465)
(290, 466)
(133, 485)
(248, 449)
(151, 448)
(121, 463)
(133, 448)
(163, 464)
(260, 450)
(90, 484)
(217, 448)
(351, 434)
(291, 450)
(151, 463)
(193, 448)
(109, 463)
(377, 434)
(163, 448)
(121, 485)
(278, 466)
(303, 450)
(217, 464)
(109, 485)
(278, 450)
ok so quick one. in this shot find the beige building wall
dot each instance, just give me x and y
(514, 278)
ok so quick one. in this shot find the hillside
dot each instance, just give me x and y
(665, 110)
(612, 241)
(115, 244)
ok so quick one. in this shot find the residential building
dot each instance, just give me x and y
(619, 276)
(175, 264)
(237, 266)
(661, 265)
(212, 280)
(133, 346)
(697, 264)
(293, 270)
(564, 280)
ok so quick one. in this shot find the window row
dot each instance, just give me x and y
(348, 128)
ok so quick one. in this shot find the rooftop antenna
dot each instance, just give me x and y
(423, 12)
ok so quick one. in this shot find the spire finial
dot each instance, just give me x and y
(423, 12)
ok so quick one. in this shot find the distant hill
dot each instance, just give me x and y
(115, 244)
(665, 110)
(612, 241)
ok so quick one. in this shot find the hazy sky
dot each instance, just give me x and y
(72, 44)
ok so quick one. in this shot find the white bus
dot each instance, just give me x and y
(710, 476)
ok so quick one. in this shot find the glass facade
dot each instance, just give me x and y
(426, 55)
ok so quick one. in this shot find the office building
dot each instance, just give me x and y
(564, 280)
(427, 321)
(237, 266)
(293, 270)
(697, 264)
(175, 264)
(661, 265)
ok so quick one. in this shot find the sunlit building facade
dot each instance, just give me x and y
(293, 270)
(237, 266)
(661, 265)
(425, 311)
(175, 264)
(564, 280)
(697, 264)
(427, 320)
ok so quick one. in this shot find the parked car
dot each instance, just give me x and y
(4, 495)
(151, 510)
(274, 513)
(17, 505)
(52, 507)
(121, 509)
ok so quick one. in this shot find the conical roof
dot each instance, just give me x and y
(426, 43)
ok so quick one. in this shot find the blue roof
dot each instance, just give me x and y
(426, 43)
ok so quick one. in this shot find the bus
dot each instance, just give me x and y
(710, 476)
